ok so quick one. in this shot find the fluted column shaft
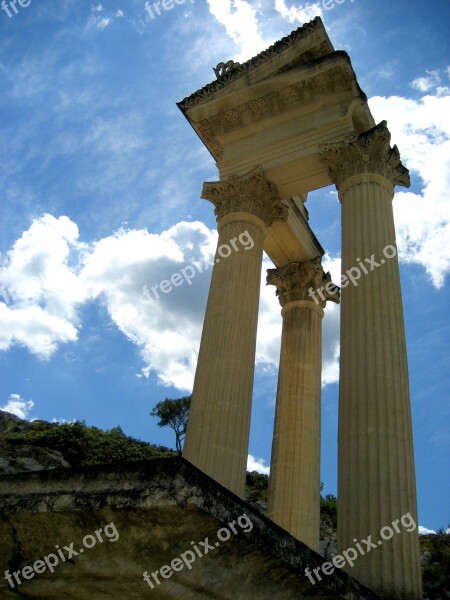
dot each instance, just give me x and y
(219, 420)
(294, 487)
(376, 462)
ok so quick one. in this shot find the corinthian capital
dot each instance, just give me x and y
(369, 152)
(303, 281)
(250, 193)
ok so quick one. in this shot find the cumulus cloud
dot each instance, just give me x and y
(16, 405)
(35, 329)
(425, 531)
(121, 271)
(257, 464)
(421, 130)
(331, 326)
(48, 274)
(42, 289)
(241, 24)
(431, 83)
(301, 14)
(427, 82)
(270, 325)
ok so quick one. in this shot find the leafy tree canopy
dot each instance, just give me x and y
(173, 414)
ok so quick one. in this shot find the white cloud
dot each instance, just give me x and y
(122, 269)
(257, 464)
(49, 274)
(241, 24)
(44, 284)
(425, 531)
(99, 23)
(428, 82)
(16, 405)
(47, 282)
(331, 326)
(36, 270)
(421, 129)
(301, 14)
(35, 329)
(43, 290)
(270, 325)
(431, 82)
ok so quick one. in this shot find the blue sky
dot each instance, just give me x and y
(100, 180)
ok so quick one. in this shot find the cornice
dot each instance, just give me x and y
(323, 78)
(231, 71)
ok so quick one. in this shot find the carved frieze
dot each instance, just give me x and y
(276, 102)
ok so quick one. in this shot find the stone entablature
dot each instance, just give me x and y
(277, 109)
(231, 71)
(291, 87)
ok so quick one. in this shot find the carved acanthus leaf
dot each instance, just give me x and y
(302, 281)
(369, 152)
(250, 193)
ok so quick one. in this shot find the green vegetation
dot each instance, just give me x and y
(436, 570)
(256, 486)
(328, 510)
(79, 444)
(174, 414)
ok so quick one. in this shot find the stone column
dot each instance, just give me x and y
(376, 462)
(219, 420)
(294, 487)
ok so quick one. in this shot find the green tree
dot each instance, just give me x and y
(256, 486)
(174, 414)
(328, 510)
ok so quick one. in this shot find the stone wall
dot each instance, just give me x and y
(157, 508)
